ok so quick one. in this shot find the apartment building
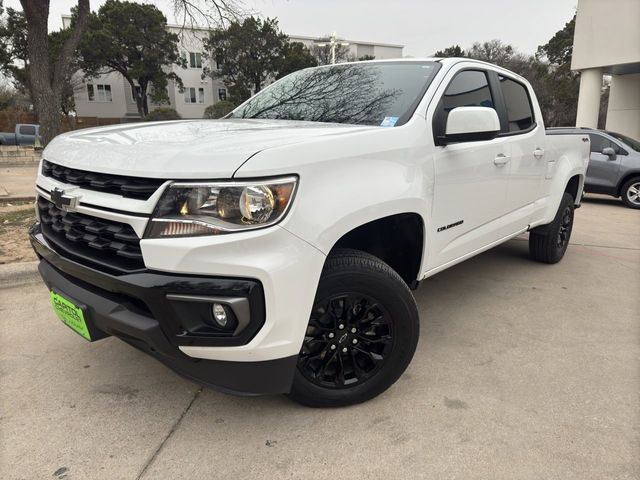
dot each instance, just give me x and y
(110, 96)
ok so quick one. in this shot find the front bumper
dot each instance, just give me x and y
(135, 308)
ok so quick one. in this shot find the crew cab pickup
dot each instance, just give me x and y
(24, 134)
(274, 251)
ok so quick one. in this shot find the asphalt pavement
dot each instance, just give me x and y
(523, 371)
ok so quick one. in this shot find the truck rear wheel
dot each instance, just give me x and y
(362, 333)
(549, 243)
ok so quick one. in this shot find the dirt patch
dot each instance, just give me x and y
(15, 221)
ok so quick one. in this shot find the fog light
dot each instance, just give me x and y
(219, 314)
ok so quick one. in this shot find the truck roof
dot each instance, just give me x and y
(447, 61)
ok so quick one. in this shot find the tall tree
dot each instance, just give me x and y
(132, 39)
(296, 56)
(452, 51)
(14, 61)
(559, 85)
(47, 76)
(13, 45)
(247, 55)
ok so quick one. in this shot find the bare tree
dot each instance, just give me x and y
(323, 54)
(210, 13)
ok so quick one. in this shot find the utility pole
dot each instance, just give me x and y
(333, 43)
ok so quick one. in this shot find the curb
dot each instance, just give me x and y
(4, 200)
(18, 274)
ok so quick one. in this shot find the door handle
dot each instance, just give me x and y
(501, 160)
(538, 153)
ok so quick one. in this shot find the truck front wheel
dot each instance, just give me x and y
(549, 243)
(361, 336)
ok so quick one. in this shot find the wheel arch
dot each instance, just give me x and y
(397, 239)
(625, 179)
(574, 187)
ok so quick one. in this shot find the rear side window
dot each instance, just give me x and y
(27, 130)
(519, 111)
(469, 88)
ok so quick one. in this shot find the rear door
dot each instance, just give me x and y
(602, 174)
(526, 137)
(470, 177)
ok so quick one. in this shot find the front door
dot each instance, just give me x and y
(602, 174)
(471, 178)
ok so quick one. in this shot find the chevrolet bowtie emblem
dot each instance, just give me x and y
(63, 200)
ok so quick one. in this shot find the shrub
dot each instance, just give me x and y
(162, 113)
(218, 110)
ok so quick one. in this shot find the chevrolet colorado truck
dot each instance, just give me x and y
(274, 251)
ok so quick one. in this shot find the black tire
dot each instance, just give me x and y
(548, 243)
(630, 193)
(362, 333)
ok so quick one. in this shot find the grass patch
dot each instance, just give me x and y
(17, 216)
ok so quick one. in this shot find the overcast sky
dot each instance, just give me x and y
(422, 26)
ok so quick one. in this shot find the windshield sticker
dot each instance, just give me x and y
(389, 121)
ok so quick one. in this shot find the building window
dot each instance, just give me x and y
(195, 60)
(219, 61)
(194, 95)
(222, 93)
(99, 92)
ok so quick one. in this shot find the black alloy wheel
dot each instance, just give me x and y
(347, 340)
(361, 334)
(564, 230)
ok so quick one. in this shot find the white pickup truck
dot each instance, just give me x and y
(273, 251)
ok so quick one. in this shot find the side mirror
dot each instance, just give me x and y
(471, 124)
(609, 152)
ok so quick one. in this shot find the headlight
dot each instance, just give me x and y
(191, 209)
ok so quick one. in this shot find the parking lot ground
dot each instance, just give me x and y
(17, 182)
(523, 371)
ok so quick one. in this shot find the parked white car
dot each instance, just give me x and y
(273, 251)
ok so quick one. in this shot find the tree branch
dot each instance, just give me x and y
(70, 45)
(209, 13)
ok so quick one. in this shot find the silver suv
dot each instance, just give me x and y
(614, 165)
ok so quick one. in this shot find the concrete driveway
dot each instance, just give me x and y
(523, 371)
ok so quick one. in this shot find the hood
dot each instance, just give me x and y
(181, 149)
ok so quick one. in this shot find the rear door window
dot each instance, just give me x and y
(518, 103)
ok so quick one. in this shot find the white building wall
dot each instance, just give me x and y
(623, 113)
(607, 33)
(607, 41)
(357, 48)
(114, 108)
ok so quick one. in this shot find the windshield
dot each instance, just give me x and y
(384, 94)
(634, 144)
